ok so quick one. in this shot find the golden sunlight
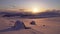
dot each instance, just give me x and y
(35, 10)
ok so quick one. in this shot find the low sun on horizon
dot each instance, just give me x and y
(37, 10)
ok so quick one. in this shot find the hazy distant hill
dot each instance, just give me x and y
(27, 15)
(50, 14)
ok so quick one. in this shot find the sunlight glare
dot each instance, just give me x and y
(35, 10)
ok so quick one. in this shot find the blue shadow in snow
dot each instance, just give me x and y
(17, 26)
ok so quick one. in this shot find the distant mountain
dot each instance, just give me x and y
(45, 14)
(49, 14)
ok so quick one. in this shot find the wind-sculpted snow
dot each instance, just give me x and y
(42, 26)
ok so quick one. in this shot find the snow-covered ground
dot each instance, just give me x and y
(52, 25)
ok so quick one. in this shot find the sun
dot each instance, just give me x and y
(35, 10)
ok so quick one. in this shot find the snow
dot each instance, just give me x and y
(52, 25)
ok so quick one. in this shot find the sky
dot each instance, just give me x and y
(29, 4)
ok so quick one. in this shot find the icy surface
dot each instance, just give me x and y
(43, 25)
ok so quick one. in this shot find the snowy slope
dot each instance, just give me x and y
(52, 26)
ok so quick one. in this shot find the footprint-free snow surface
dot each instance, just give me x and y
(24, 26)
